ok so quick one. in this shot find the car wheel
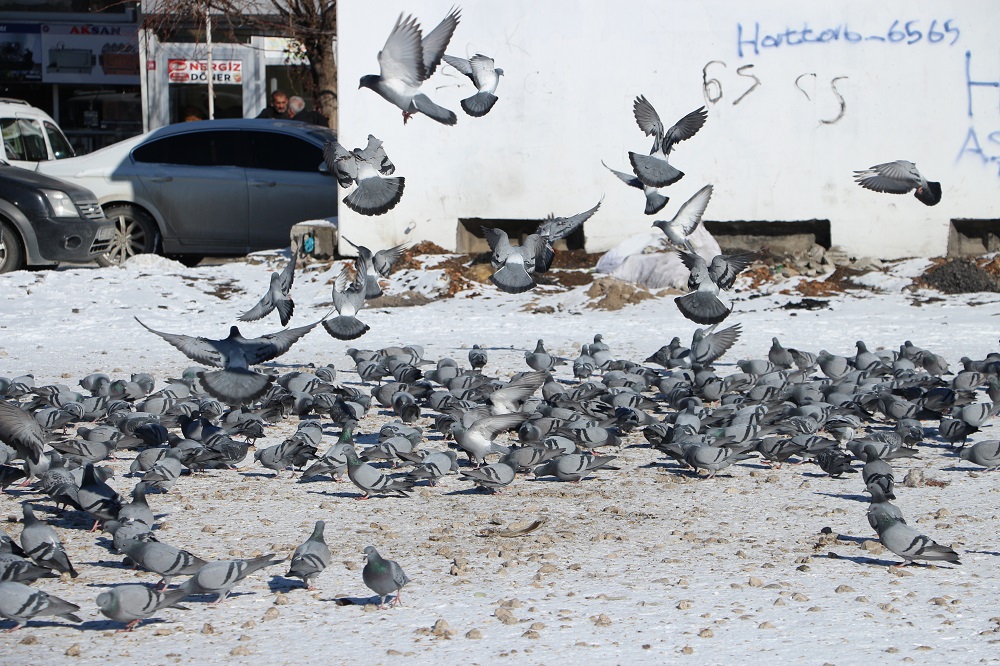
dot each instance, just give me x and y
(11, 252)
(135, 233)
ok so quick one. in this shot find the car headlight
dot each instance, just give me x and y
(61, 204)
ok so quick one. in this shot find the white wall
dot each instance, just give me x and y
(572, 70)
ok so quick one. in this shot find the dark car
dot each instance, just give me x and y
(45, 221)
(210, 187)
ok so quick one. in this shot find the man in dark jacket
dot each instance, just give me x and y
(297, 109)
(278, 108)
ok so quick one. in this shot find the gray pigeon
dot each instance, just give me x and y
(406, 61)
(553, 229)
(655, 200)
(899, 177)
(277, 297)
(21, 432)
(162, 559)
(134, 603)
(985, 453)
(513, 265)
(378, 264)
(371, 480)
(41, 543)
(20, 603)
(491, 477)
(376, 193)
(654, 170)
(477, 439)
(236, 383)
(906, 542)
(703, 304)
(477, 358)
(122, 531)
(19, 570)
(383, 576)
(708, 345)
(686, 220)
(97, 498)
(877, 472)
(573, 467)
(348, 299)
(221, 577)
(483, 73)
(138, 509)
(432, 465)
(310, 558)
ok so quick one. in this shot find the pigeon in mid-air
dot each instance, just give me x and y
(655, 200)
(20, 603)
(236, 383)
(899, 177)
(686, 220)
(133, 603)
(703, 305)
(348, 299)
(376, 192)
(654, 170)
(277, 297)
(221, 577)
(407, 60)
(483, 73)
(311, 557)
(379, 265)
(513, 265)
(553, 229)
(383, 576)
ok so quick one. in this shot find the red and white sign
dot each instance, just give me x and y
(196, 71)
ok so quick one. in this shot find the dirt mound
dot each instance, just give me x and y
(960, 276)
(612, 294)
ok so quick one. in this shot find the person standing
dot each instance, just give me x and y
(278, 108)
(297, 110)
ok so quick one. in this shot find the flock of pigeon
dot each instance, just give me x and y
(873, 407)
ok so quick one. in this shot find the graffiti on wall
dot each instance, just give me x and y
(982, 93)
(754, 40)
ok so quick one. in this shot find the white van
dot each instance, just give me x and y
(30, 135)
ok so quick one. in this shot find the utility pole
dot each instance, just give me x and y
(208, 61)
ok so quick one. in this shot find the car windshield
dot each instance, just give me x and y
(60, 144)
(22, 139)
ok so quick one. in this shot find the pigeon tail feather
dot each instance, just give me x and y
(512, 280)
(235, 386)
(345, 328)
(375, 196)
(702, 307)
(479, 104)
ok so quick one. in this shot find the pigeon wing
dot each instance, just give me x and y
(690, 213)
(263, 307)
(341, 163)
(626, 178)
(201, 350)
(647, 118)
(436, 41)
(461, 64)
(20, 430)
(555, 228)
(402, 56)
(287, 276)
(384, 259)
(725, 267)
(897, 177)
(273, 345)
(684, 129)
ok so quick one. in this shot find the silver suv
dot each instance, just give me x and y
(29, 135)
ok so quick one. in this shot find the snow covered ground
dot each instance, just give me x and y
(643, 564)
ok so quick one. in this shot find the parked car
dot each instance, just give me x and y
(44, 221)
(211, 187)
(30, 135)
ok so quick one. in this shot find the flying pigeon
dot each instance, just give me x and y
(222, 576)
(655, 200)
(383, 576)
(406, 61)
(21, 603)
(553, 229)
(686, 220)
(375, 194)
(654, 170)
(236, 383)
(513, 264)
(348, 299)
(311, 557)
(277, 297)
(379, 265)
(133, 603)
(899, 177)
(703, 305)
(485, 76)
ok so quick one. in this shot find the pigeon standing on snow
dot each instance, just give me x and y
(163, 559)
(383, 576)
(21, 603)
(491, 477)
(371, 480)
(311, 557)
(686, 220)
(221, 577)
(908, 543)
(899, 177)
(134, 603)
(379, 265)
(348, 299)
(41, 543)
(375, 194)
(277, 297)
(703, 305)
(406, 61)
(236, 383)
(654, 170)
(485, 76)
(985, 453)
(655, 200)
